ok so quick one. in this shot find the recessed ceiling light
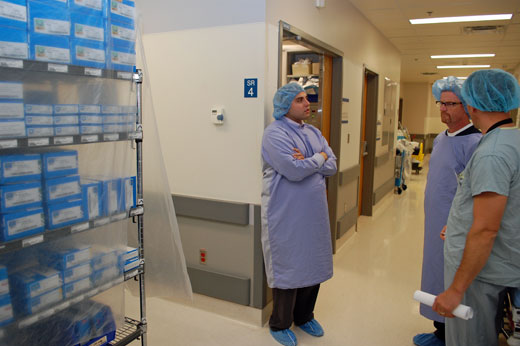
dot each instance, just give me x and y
(461, 19)
(464, 66)
(462, 56)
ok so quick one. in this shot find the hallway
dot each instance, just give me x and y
(368, 302)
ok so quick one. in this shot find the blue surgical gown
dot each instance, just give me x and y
(296, 236)
(447, 161)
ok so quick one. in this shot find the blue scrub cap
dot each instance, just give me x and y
(452, 84)
(284, 97)
(492, 90)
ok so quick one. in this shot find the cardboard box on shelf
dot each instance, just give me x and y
(301, 69)
(315, 68)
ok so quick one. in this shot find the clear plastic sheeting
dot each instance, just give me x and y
(165, 268)
(68, 291)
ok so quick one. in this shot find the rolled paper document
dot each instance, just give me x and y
(462, 311)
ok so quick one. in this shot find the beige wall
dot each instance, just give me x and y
(415, 106)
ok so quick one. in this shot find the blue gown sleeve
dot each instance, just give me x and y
(277, 151)
(329, 167)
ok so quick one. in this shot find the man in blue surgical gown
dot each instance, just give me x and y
(452, 149)
(295, 220)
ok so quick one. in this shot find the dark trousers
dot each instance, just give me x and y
(441, 330)
(293, 305)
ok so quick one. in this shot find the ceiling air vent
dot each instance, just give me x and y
(484, 29)
(428, 73)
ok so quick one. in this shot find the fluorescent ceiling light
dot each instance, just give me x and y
(456, 77)
(461, 19)
(464, 66)
(462, 56)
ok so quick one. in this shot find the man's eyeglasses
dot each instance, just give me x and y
(447, 104)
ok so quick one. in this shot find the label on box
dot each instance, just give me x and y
(11, 90)
(122, 10)
(66, 109)
(46, 53)
(20, 197)
(58, 163)
(4, 286)
(64, 190)
(39, 120)
(13, 11)
(66, 119)
(46, 299)
(93, 202)
(16, 50)
(91, 119)
(89, 138)
(90, 54)
(111, 137)
(6, 312)
(67, 214)
(123, 58)
(11, 110)
(51, 26)
(94, 4)
(110, 119)
(78, 257)
(40, 131)
(89, 109)
(123, 33)
(75, 273)
(124, 75)
(50, 280)
(12, 129)
(19, 168)
(85, 129)
(24, 223)
(66, 130)
(75, 287)
(89, 32)
(38, 109)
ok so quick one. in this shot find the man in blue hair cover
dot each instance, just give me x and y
(482, 246)
(452, 149)
(296, 237)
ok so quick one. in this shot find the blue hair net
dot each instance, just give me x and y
(284, 97)
(492, 90)
(452, 84)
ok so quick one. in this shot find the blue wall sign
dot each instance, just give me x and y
(251, 87)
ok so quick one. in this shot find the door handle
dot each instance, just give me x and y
(365, 148)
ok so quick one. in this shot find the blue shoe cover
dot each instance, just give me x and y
(313, 328)
(285, 336)
(428, 339)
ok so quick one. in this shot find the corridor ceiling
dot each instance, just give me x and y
(418, 42)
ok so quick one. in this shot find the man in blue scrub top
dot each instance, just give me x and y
(452, 149)
(482, 246)
(295, 218)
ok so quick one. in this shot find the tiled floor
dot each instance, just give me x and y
(368, 302)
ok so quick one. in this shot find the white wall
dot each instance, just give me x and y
(343, 27)
(191, 71)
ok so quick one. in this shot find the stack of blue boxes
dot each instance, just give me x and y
(39, 120)
(21, 212)
(12, 124)
(64, 203)
(6, 309)
(129, 259)
(83, 324)
(34, 288)
(13, 29)
(91, 33)
(73, 266)
(90, 119)
(66, 119)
